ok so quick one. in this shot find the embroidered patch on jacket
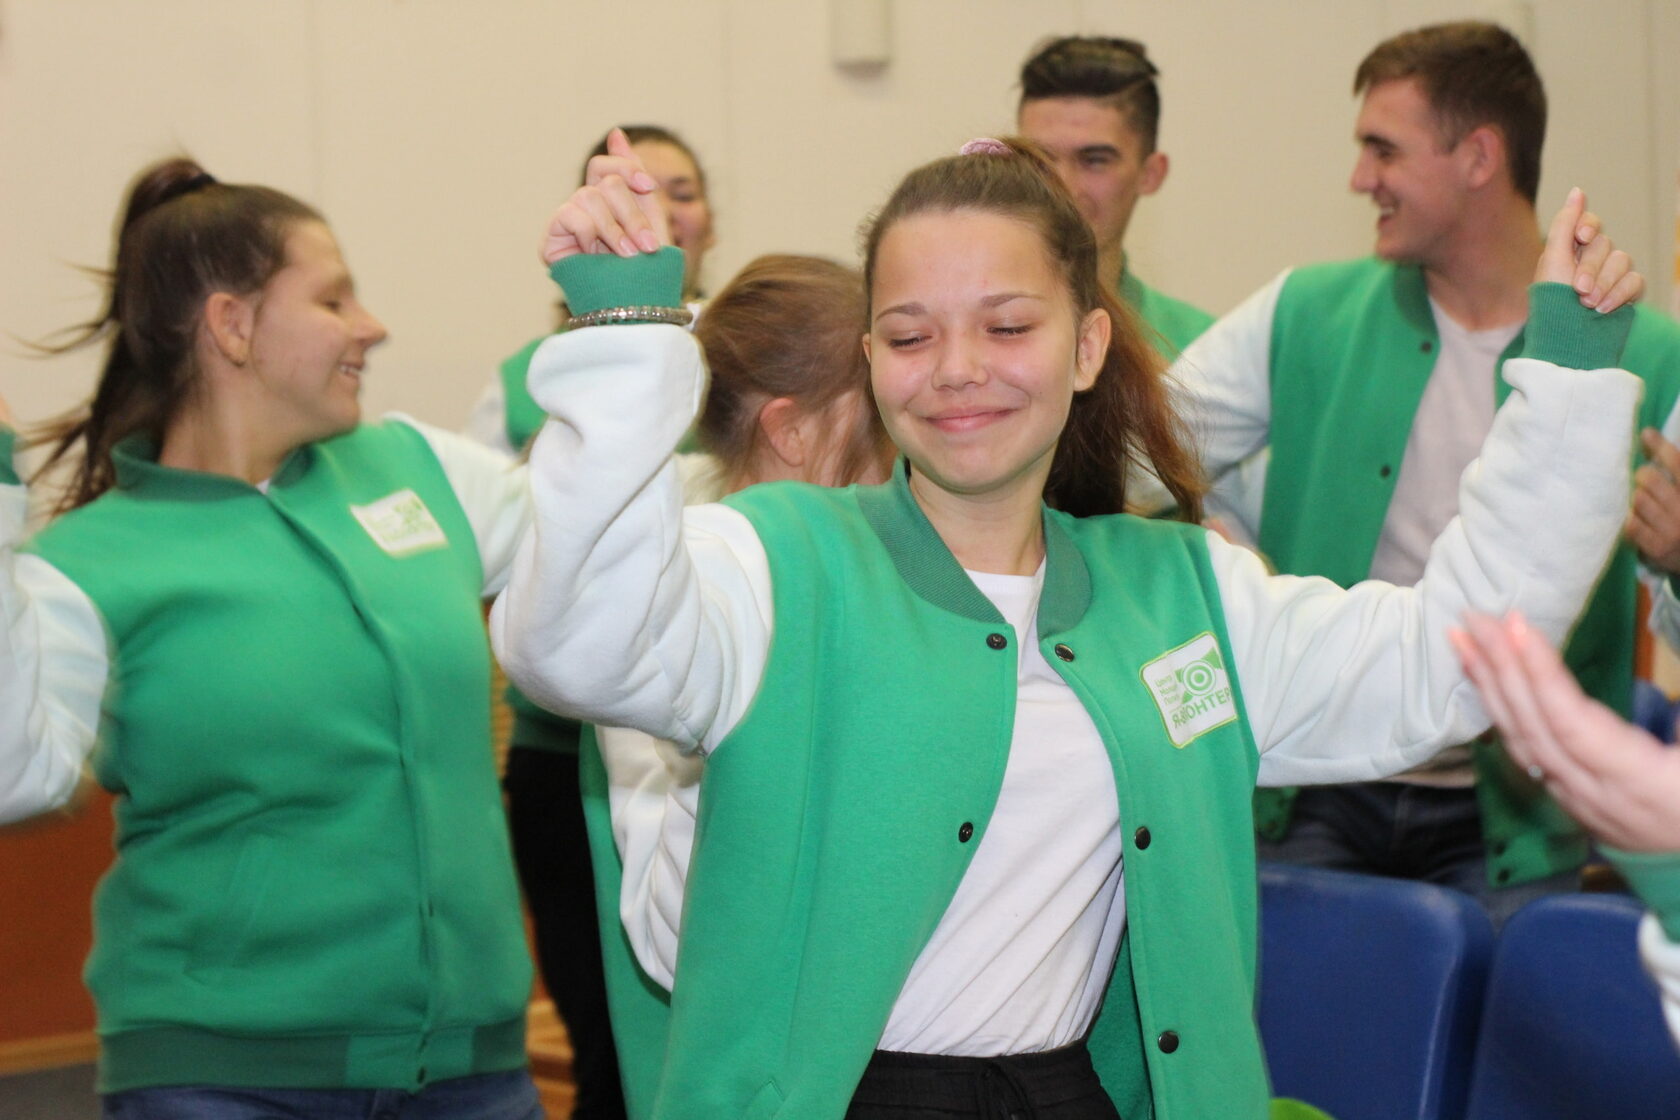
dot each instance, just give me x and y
(1192, 689)
(401, 524)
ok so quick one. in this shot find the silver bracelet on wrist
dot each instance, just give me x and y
(676, 316)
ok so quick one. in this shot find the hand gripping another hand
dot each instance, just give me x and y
(617, 210)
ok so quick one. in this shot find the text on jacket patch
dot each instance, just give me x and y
(1191, 688)
(401, 524)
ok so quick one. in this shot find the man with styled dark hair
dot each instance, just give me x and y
(1093, 105)
(1374, 383)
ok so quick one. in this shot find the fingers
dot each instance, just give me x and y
(606, 218)
(6, 417)
(1614, 778)
(1592, 247)
(1557, 259)
(1661, 452)
(621, 160)
(1653, 524)
(1625, 285)
(1578, 253)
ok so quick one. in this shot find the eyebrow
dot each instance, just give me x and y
(1097, 150)
(995, 300)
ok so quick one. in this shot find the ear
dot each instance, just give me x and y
(787, 429)
(1095, 331)
(1483, 151)
(1155, 166)
(230, 323)
(868, 357)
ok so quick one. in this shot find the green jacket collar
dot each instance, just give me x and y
(1411, 296)
(135, 460)
(927, 566)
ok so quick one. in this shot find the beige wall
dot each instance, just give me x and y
(437, 134)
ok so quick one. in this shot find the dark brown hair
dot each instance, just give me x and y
(1472, 74)
(1117, 71)
(181, 237)
(1123, 422)
(786, 326)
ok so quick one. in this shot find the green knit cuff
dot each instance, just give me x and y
(1655, 878)
(593, 281)
(1564, 333)
(8, 462)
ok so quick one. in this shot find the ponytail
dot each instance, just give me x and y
(182, 236)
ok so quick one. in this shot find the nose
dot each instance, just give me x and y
(958, 364)
(1364, 177)
(370, 330)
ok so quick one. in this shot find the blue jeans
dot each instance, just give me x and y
(488, 1096)
(1406, 832)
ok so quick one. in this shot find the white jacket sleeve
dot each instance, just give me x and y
(623, 610)
(1357, 684)
(491, 488)
(487, 422)
(53, 670)
(654, 792)
(1222, 384)
(1662, 961)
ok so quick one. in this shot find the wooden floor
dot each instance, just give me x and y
(551, 1059)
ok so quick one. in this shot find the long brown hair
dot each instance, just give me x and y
(181, 236)
(786, 326)
(1125, 421)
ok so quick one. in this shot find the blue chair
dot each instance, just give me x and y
(1573, 1028)
(1370, 992)
(1653, 710)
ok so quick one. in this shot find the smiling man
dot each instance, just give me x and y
(1374, 383)
(1093, 105)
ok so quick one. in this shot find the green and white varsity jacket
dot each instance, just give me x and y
(1176, 322)
(1327, 365)
(827, 651)
(287, 691)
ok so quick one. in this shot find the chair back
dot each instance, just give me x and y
(1573, 1028)
(1370, 992)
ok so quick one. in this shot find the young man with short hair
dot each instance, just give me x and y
(1374, 382)
(1093, 105)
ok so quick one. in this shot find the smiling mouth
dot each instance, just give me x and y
(967, 421)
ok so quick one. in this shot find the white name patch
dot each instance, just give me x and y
(1192, 689)
(401, 524)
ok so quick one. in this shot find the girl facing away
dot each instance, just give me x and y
(259, 620)
(974, 831)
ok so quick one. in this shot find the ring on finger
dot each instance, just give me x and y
(1535, 772)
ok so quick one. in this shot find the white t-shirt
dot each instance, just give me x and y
(1453, 419)
(1022, 957)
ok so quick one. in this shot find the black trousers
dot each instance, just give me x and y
(1054, 1085)
(551, 849)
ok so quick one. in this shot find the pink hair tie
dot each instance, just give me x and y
(985, 146)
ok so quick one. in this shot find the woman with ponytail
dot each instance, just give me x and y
(257, 619)
(974, 834)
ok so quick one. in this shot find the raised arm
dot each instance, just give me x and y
(53, 665)
(1361, 684)
(622, 610)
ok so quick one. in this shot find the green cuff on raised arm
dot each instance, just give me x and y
(8, 461)
(593, 281)
(1564, 333)
(1655, 878)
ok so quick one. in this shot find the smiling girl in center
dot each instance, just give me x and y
(975, 831)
